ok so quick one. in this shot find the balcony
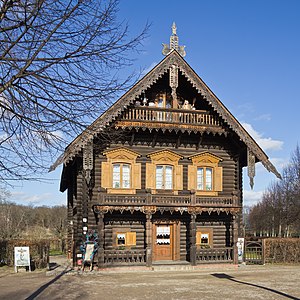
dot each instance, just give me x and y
(153, 117)
(166, 200)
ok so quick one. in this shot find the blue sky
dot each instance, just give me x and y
(247, 52)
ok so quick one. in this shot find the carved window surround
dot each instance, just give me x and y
(121, 156)
(205, 160)
(167, 158)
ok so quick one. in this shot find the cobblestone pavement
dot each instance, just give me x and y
(207, 282)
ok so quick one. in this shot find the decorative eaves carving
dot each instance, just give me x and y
(173, 58)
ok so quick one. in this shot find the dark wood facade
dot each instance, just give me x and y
(159, 175)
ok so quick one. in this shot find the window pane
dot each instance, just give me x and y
(116, 176)
(168, 177)
(121, 239)
(204, 238)
(126, 176)
(208, 179)
(200, 179)
(159, 177)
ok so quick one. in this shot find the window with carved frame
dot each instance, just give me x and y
(205, 175)
(121, 173)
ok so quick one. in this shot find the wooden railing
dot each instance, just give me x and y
(122, 199)
(153, 114)
(214, 255)
(216, 201)
(171, 200)
(124, 257)
(166, 200)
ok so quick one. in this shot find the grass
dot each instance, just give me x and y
(55, 252)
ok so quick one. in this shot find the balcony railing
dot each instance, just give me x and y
(166, 200)
(183, 116)
(124, 257)
(214, 255)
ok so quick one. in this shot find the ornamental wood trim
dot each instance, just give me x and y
(146, 82)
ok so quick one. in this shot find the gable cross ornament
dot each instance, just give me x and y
(173, 43)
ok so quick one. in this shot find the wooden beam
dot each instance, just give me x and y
(200, 141)
(178, 140)
(132, 138)
(154, 139)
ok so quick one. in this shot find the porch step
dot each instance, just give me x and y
(171, 265)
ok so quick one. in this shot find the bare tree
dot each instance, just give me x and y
(278, 213)
(58, 71)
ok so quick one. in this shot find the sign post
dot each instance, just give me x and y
(22, 258)
(240, 245)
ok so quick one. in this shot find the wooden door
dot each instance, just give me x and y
(163, 242)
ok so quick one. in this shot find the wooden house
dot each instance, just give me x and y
(158, 176)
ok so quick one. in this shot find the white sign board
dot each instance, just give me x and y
(240, 246)
(22, 257)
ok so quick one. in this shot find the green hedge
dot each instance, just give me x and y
(282, 250)
(39, 252)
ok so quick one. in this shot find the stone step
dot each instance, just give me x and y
(172, 268)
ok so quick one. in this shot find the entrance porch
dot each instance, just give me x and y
(130, 238)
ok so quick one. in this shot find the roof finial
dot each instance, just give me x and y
(174, 28)
(173, 43)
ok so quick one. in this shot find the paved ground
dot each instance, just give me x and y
(210, 282)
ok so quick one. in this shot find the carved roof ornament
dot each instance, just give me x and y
(88, 160)
(173, 43)
(174, 58)
(251, 167)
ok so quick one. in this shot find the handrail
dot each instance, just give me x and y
(165, 200)
(169, 115)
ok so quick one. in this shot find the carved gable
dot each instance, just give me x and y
(121, 154)
(205, 158)
(165, 156)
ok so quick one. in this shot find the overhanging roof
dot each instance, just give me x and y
(173, 58)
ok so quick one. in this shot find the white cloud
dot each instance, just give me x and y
(264, 117)
(264, 143)
(46, 199)
(252, 197)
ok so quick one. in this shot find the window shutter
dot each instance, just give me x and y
(130, 238)
(198, 238)
(218, 179)
(178, 178)
(136, 176)
(150, 176)
(106, 176)
(192, 177)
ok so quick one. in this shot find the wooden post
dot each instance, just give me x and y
(235, 238)
(101, 240)
(148, 240)
(193, 240)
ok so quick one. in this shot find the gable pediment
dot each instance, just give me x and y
(205, 158)
(136, 92)
(122, 154)
(165, 156)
